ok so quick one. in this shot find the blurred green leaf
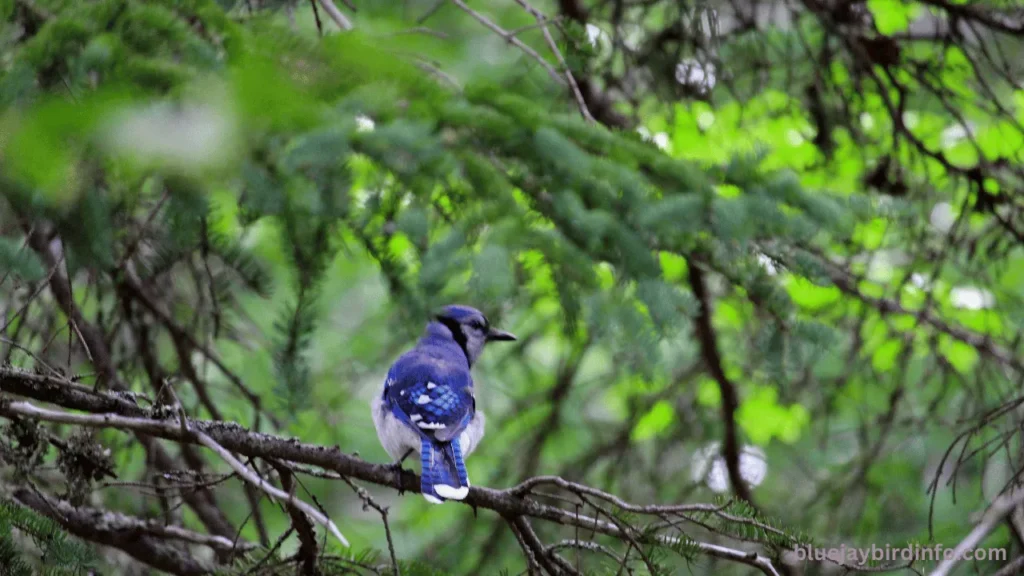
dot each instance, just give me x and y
(884, 357)
(961, 355)
(656, 421)
(810, 296)
(16, 258)
(893, 16)
(762, 418)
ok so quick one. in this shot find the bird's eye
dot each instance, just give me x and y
(476, 324)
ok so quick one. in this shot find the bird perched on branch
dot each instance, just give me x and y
(428, 405)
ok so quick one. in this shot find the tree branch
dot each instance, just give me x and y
(730, 398)
(202, 501)
(143, 540)
(511, 39)
(304, 528)
(573, 87)
(110, 411)
(336, 15)
(995, 514)
(847, 283)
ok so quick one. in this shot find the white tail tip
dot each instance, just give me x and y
(433, 499)
(451, 492)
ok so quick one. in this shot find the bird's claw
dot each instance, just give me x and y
(397, 469)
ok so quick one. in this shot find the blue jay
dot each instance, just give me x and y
(428, 406)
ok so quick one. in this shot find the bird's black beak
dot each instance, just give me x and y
(494, 334)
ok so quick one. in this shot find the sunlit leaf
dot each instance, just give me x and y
(654, 423)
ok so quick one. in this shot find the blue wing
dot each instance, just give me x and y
(431, 396)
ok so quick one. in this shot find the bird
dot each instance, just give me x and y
(428, 405)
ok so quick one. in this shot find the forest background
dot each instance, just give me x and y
(765, 259)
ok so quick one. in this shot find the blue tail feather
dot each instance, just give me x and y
(460, 464)
(444, 472)
(428, 459)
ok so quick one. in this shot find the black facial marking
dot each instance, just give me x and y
(457, 333)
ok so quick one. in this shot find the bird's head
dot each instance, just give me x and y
(470, 329)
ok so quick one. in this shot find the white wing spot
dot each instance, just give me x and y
(431, 385)
(401, 393)
(423, 399)
(415, 417)
(430, 426)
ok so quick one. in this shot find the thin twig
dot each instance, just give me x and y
(510, 38)
(39, 360)
(383, 511)
(263, 485)
(995, 514)
(228, 436)
(181, 429)
(332, 11)
(542, 21)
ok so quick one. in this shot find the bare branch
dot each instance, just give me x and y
(730, 398)
(181, 432)
(201, 501)
(995, 514)
(542, 22)
(511, 39)
(332, 11)
(224, 437)
(307, 536)
(142, 539)
(271, 490)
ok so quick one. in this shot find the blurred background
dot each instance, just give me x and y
(766, 256)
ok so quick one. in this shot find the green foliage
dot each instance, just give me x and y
(763, 419)
(57, 554)
(893, 15)
(298, 203)
(655, 422)
(18, 260)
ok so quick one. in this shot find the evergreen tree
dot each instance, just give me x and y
(723, 237)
